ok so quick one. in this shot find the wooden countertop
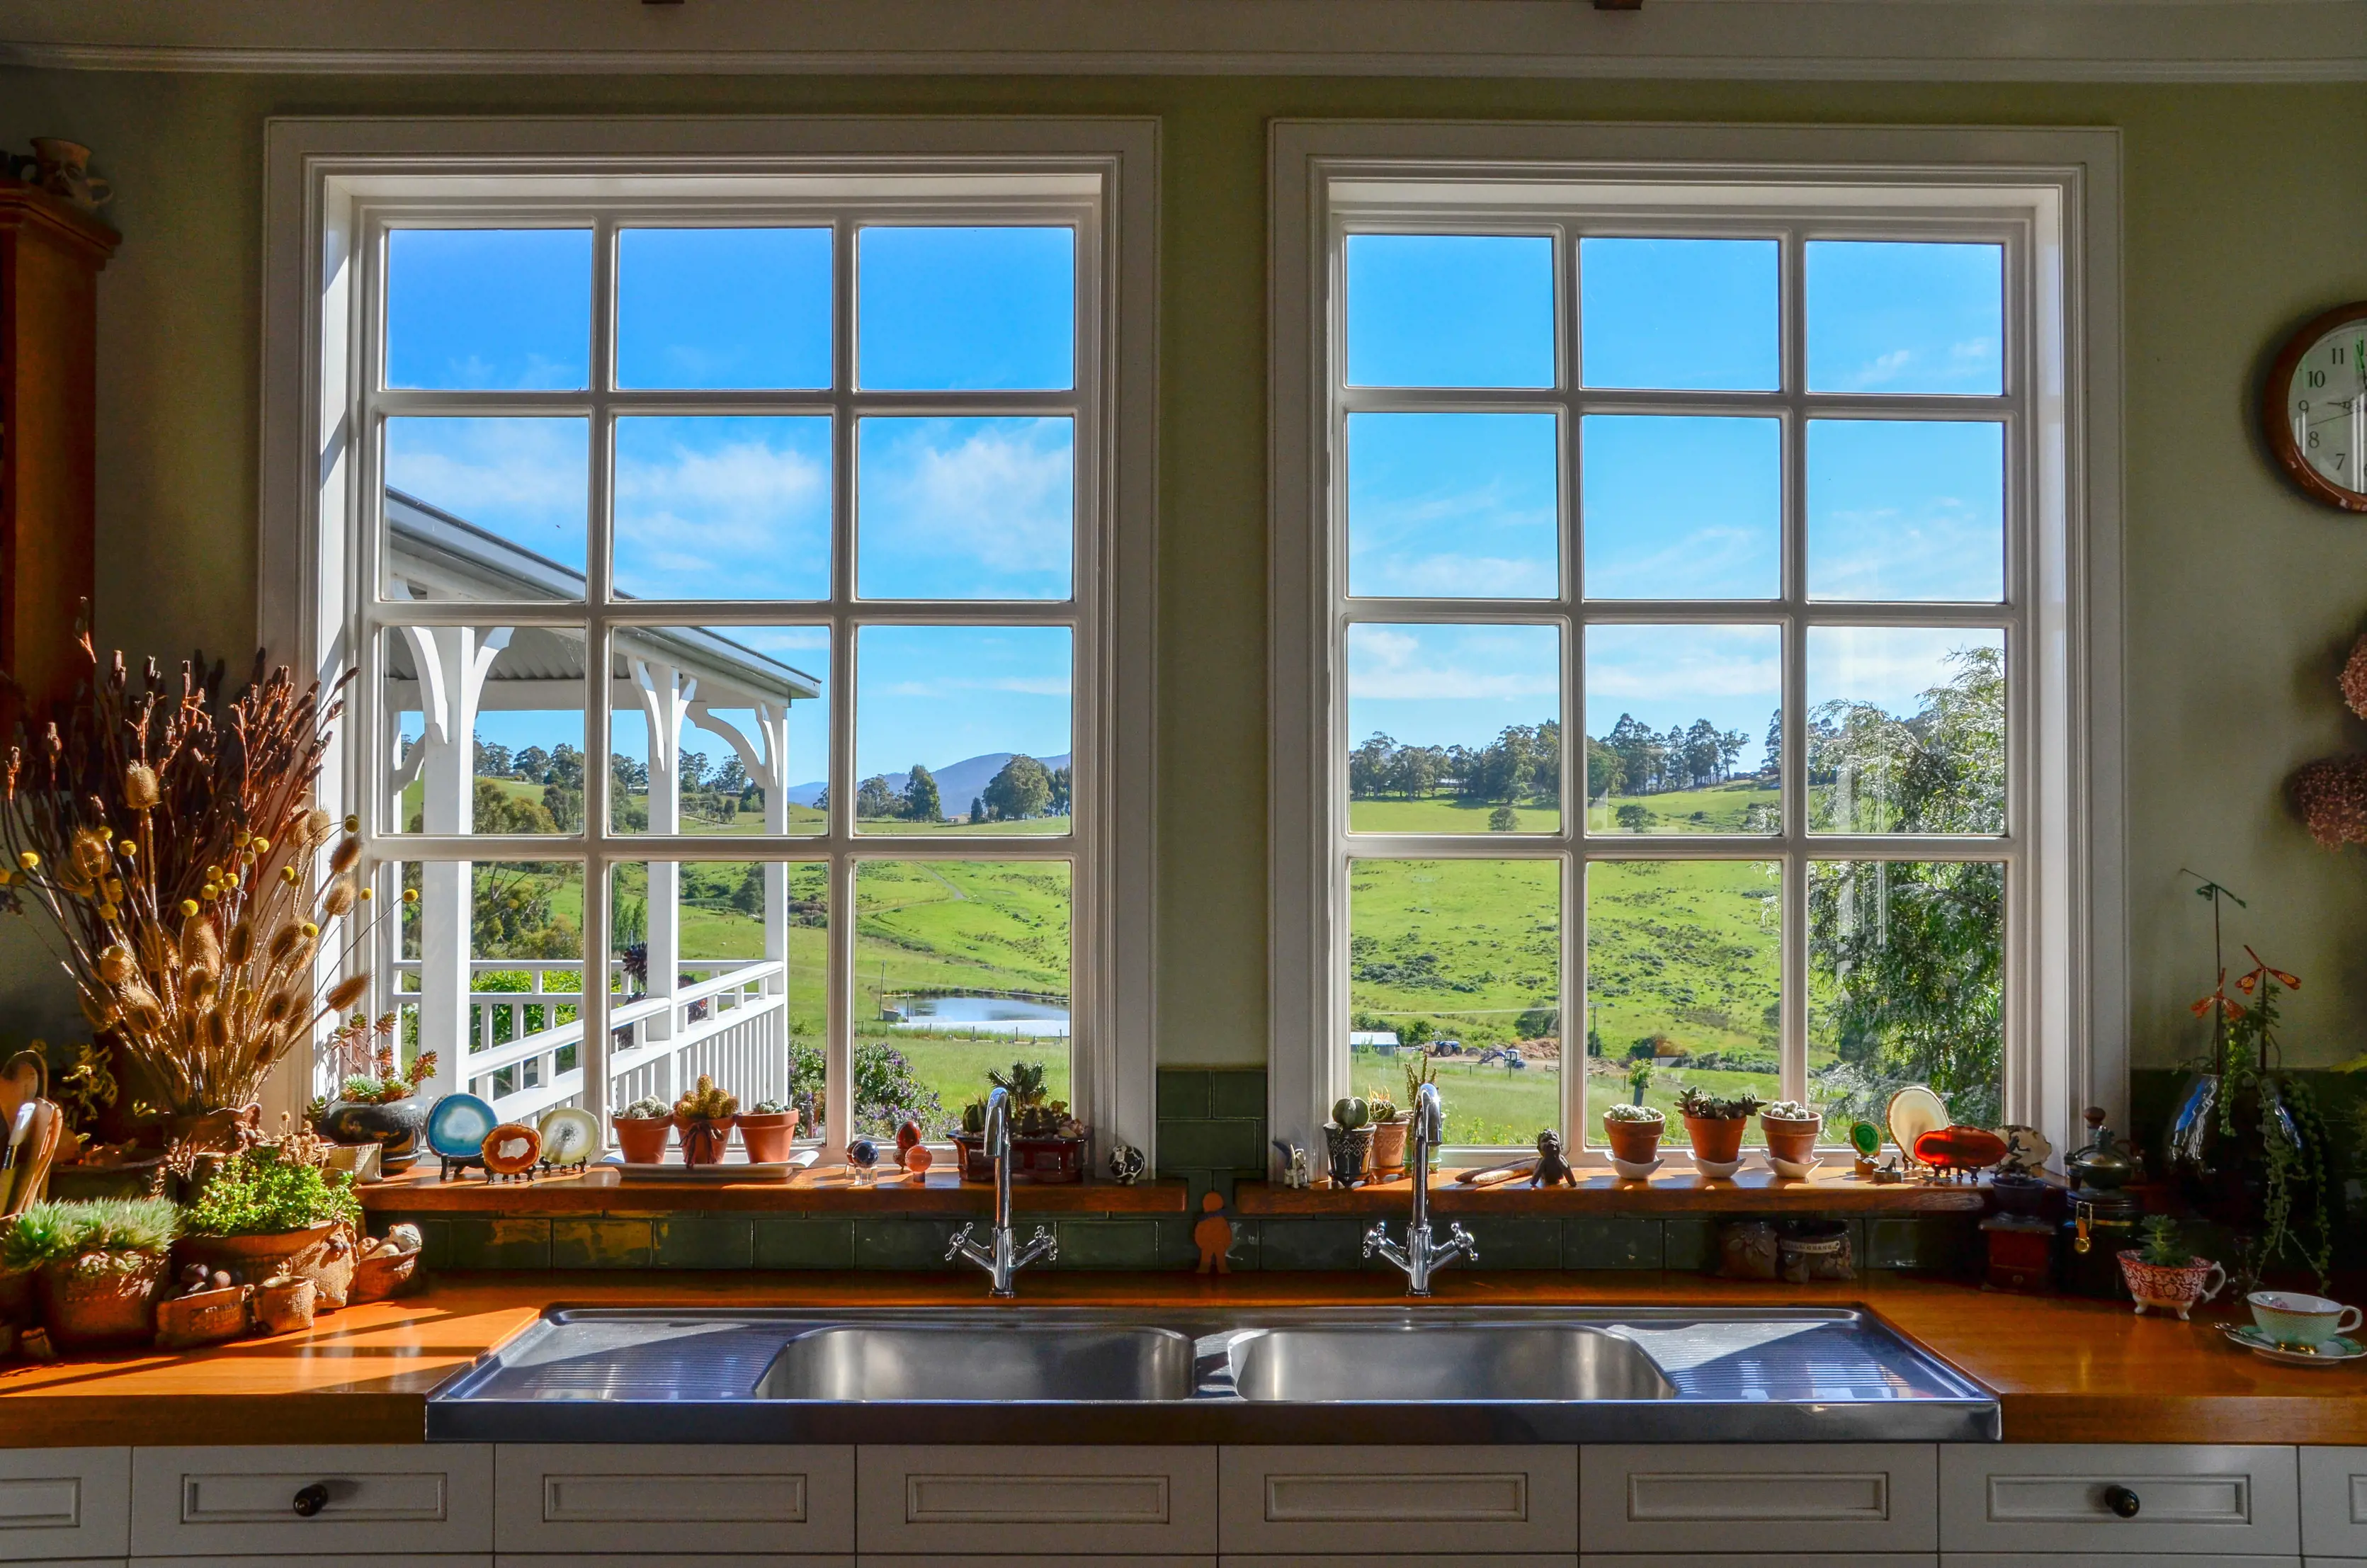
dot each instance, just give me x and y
(2065, 1371)
(1828, 1189)
(824, 1192)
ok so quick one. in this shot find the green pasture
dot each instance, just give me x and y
(1743, 806)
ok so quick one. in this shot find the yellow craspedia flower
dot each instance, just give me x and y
(309, 928)
(365, 895)
(210, 892)
(29, 860)
(106, 911)
(188, 906)
(240, 838)
(353, 824)
(411, 894)
(262, 845)
(291, 875)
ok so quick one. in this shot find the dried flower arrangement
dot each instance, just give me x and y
(2331, 792)
(362, 1060)
(172, 838)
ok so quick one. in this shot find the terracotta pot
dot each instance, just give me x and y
(642, 1139)
(1791, 1140)
(285, 1305)
(976, 1166)
(1716, 1140)
(703, 1138)
(1389, 1144)
(399, 1128)
(2177, 1289)
(90, 1310)
(768, 1138)
(1637, 1143)
(17, 1296)
(324, 1253)
(133, 1179)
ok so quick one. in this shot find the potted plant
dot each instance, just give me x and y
(2165, 1273)
(643, 1129)
(274, 1210)
(1348, 1140)
(1791, 1129)
(98, 1266)
(1715, 1124)
(1048, 1145)
(376, 1102)
(705, 1118)
(1633, 1133)
(767, 1131)
(1390, 1126)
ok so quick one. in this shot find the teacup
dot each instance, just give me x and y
(2290, 1318)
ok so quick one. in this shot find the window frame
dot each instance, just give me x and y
(2050, 197)
(335, 186)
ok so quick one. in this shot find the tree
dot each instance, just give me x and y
(1061, 784)
(492, 758)
(531, 763)
(566, 806)
(566, 766)
(978, 808)
(631, 776)
(731, 776)
(1022, 787)
(1503, 819)
(1774, 762)
(692, 770)
(1634, 817)
(496, 810)
(873, 798)
(921, 802)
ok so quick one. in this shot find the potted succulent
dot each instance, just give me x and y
(1048, 1145)
(98, 1266)
(971, 1139)
(2165, 1273)
(376, 1103)
(705, 1118)
(1348, 1140)
(643, 1129)
(1791, 1129)
(766, 1132)
(1715, 1124)
(275, 1210)
(1633, 1133)
(1390, 1126)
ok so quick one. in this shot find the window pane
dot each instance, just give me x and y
(1905, 509)
(525, 708)
(1460, 962)
(722, 508)
(723, 307)
(1894, 317)
(1681, 508)
(489, 310)
(945, 310)
(1450, 311)
(1683, 984)
(965, 508)
(747, 946)
(494, 1019)
(962, 729)
(729, 702)
(960, 967)
(1683, 729)
(1906, 731)
(1453, 505)
(1454, 729)
(1679, 314)
(486, 508)
(1907, 986)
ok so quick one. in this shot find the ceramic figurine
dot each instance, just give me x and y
(1295, 1172)
(1214, 1234)
(64, 169)
(1125, 1164)
(1552, 1169)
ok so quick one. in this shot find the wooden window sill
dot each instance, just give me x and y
(420, 1192)
(1752, 1190)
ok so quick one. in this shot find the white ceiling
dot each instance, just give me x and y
(2167, 41)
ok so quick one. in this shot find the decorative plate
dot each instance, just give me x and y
(1913, 1111)
(457, 1127)
(570, 1135)
(2334, 1353)
(509, 1149)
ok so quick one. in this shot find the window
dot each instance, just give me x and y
(1693, 699)
(737, 566)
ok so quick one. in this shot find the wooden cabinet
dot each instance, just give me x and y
(2151, 1500)
(1099, 1503)
(623, 1498)
(2334, 1504)
(60, 1503)
(1320, 1503)
(350, 1504)
(51, 253)
(1836, 1498)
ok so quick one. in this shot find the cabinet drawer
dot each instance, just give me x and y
(1753, 1498)
(65, 1502)
(1409, 1559)
(2334, 1502)
(398, 1500)
(1763, 1560)
(336, 1560)
(1027, 1559)
(685, 1556)
(965, 1501)
(580, 1497)
(2056, 1560)
(1329, 1501)
(2058, 1497)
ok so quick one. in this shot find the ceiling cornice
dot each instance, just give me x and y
(1972, 40)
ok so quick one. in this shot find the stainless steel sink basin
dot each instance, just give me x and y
(1447, 1363)
(1003, 1362)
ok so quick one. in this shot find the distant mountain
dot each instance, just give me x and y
(958, 783)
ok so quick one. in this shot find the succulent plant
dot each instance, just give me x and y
(706, 1102)
(1632, 1114)
(1025, 1082)
(2164, 1247)
(768, 1108)
(1717, 1107)
(648, 1108)
(1350, 1113)
(973, 1117)
(1419, 1070)
(1378, 1104)
(1788, 1111)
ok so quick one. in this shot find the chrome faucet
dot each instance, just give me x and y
(1420, 1255)
(1002, 1257)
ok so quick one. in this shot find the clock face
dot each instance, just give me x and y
(2326, 406)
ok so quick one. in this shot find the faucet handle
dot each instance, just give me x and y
(960, 1244)
(1375, 1238)
(1459, 1238)
(1043, 1245)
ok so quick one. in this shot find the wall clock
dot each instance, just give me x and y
(2314, 409)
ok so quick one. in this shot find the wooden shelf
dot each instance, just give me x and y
(599, 1192)
(1751, 1191)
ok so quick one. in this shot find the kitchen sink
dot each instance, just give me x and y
(1449, 1364)
(997, 1361)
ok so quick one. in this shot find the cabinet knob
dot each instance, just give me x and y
(311, 1500)
(2122, 1501)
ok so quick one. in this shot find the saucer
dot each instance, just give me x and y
(1791, 1169)
(1633, 1170)
(1717, 1169)
(2337, 1351)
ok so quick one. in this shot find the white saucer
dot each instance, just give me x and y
(2333, 1353)
(1632, 1170)
(1717, 1169)
(1791, 1169)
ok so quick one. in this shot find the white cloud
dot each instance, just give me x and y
(521, 477)
(740, 519)
(1452, 576)
(1680, 665)
(999, 493)
(1458, 663)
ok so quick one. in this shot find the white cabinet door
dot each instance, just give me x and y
(2057, 1559)
(1021, 1559)
(1759, 1560)
(621, 1499)
(2334, 1502)
(333, 1560)
(1400, 1559)
(684, 1557)
(1748, 1499)
(1399, 1501)
(965, 1501)
(2145, 1499)
(398, 1500)
(59, 1502)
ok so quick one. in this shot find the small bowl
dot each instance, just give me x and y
(1634, 1170)
(1792, 1169)
(1717, 1169)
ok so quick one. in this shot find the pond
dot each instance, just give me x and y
(982, 1015)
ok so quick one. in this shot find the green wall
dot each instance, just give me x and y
(2245, 211)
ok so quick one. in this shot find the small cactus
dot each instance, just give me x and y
(1380, 1106)
(1350, 1113)
(706, 1102)
(973, 1118)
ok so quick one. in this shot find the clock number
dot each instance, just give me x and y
(2317, 378)
(2302, 406)
(2338, 354)
(2337, 460)
(2312, 440)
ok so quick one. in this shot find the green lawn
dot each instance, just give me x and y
(1443, 814)
(1744, 806)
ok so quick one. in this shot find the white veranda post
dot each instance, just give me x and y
(767, 761)
(665, 695)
